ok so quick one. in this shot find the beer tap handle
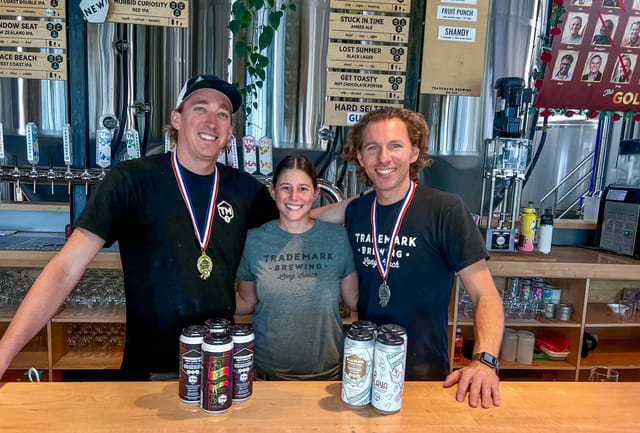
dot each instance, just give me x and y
(33, 151)
(67, 151)
(86, 176)
(133, 144)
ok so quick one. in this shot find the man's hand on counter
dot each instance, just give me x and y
(480, 381)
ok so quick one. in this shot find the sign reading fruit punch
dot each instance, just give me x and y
(453, 47)
(366, 57)
(41, 66)
(166, 13)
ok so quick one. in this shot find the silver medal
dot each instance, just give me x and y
(384, 294)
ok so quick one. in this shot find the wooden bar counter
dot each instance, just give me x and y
(549, 407)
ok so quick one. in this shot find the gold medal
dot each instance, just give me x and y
(205, 266)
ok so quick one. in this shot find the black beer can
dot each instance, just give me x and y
(242, 337)
(191, 340)
(218, 326)
(216, 386)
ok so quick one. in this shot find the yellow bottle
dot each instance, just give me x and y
(528, 220)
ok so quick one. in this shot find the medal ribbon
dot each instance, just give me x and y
(204, 235)
(384, 272)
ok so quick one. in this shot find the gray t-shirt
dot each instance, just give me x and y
(297, 323)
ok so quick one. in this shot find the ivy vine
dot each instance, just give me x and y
(253, 24)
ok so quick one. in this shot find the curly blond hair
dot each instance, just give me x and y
(417, 129)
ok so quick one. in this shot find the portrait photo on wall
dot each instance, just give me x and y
(574, 28)
(625, 65)
(612, 3)
(565, 65)
(582, 2)
(632, 33)
(605, 29)
(636, 4)
(595, 64)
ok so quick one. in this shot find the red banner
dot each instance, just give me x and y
(593, 63)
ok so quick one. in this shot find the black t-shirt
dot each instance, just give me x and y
(437, 238)
(139, 205)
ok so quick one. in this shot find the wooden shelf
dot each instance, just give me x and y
(601, 316)
(619, 354)
(78, 360)
(7, 312)
(96, 314)
(25, 360)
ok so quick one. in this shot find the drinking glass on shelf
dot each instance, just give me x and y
(603, 374)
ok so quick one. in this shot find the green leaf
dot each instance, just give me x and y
(274, 19)
(237, 8)
(234, 26)
(240, 49)
(256, 5)
(266, 38)
(262, 61)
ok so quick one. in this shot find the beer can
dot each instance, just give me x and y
(365, 324)
(242, 337)
(399, 331)
(357, 367)
(191, 340)
(218, 325)
(217, 350)
(388, 373)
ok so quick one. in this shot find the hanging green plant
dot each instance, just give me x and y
(253, 25)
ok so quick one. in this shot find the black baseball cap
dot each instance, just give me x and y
(210, 82)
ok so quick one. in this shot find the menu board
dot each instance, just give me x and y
(594, 56)
(34, 8)
(454, 46)
(366, 57)
(150, 12)
(33, 39)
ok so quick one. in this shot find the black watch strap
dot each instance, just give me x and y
(487, 359)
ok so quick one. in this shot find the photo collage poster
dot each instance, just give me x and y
(595, 59)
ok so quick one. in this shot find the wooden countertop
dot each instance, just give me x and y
(141, 407)
(563, 262)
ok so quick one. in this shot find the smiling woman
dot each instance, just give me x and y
(293, 273)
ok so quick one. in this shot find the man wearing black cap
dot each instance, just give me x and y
(180, 221)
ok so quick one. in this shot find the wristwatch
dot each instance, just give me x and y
(487, 359)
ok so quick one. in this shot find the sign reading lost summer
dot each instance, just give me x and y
(168, 13)
(453, 48)
(371, 57)
(358, 27)
(34, 8)
(399, 6)
(42, 66)
(32, 34)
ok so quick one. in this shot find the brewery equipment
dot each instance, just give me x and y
(619, 220)
(506, 158)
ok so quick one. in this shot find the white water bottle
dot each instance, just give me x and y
(545, 233)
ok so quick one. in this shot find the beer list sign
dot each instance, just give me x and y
(594, 61)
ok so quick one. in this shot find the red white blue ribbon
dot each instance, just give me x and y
(383, 270)
(203, 234)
